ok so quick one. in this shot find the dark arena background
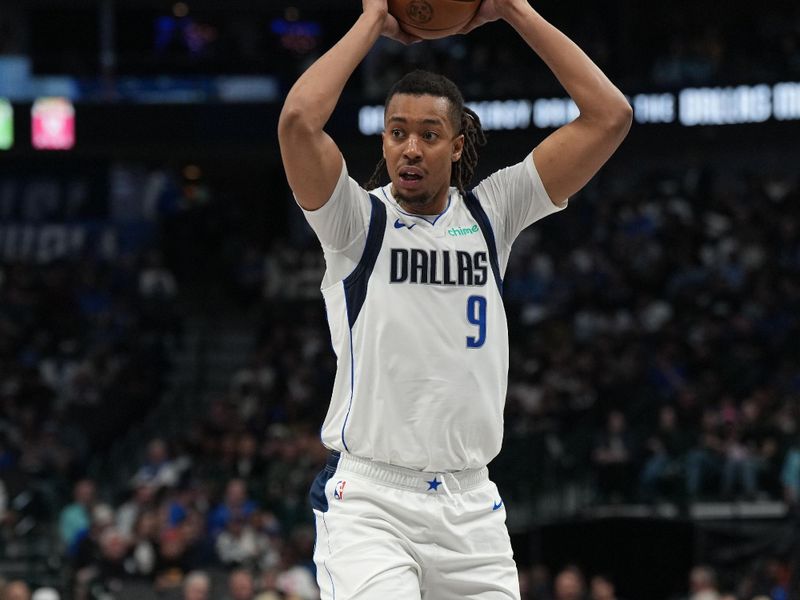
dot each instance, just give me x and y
(164, 356)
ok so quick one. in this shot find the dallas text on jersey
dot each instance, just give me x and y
(440, 267)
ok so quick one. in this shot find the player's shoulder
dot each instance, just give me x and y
(524, 169)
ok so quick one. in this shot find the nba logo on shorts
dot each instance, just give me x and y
(338, 491)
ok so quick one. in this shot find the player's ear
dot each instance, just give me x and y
(458, 148)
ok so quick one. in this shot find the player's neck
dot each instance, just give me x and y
(430, 207)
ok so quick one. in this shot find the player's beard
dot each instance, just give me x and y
(405, 200)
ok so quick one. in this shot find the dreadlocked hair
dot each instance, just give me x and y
(425, 83)
(474, 137)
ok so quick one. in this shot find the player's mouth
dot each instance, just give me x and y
(410, 178)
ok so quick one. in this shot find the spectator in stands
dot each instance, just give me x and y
(144, 539)
(740, 465)
(703, 583)
(196, 586)
(16, 590)
(87, 546)
(704, 459)
(240, 544)
(250, 465)
(539, 584)
(294, 578)
(199, 545)
(140, 502)
(667, 447)
(172, 561)
(158, 469)
(76, 517)
(298, 584)
(235, 503)
(156, 282)
(569, 585)
(790, 475)
(158, 290)
(268, 585)
(602, 588)
(241, 585)
(612, 458)
(109, 570)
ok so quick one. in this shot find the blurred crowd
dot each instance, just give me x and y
(657, 338)
(768, 579)
(675, 46)
(83, 350)
(653, 336)
(642, 46)
(223, 514)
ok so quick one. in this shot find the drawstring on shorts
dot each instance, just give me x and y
(447, 489)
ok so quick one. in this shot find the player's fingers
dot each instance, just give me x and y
(407, 38)
(392, 30)
(473, 24)
(402, 36)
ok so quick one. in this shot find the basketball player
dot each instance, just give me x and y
(405, 509)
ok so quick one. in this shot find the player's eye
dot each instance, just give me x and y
(396, 133)
(430, 135)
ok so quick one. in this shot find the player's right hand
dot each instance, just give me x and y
(492, 10)
(391, 27)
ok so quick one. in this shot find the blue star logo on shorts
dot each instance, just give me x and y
(433, 484)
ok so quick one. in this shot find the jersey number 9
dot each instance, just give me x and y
(476, 314)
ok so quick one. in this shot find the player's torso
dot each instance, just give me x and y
(427, 350)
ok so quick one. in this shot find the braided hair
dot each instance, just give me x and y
(425, 83)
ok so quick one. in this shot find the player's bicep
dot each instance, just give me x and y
(569, 157)
(312, 162)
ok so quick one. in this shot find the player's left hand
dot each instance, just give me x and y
(392, 30)
(490, 10)
(390, 27)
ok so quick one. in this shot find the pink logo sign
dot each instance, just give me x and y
(53, 124)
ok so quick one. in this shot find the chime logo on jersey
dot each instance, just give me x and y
(457, 231)
(443, 267)
(338, 491)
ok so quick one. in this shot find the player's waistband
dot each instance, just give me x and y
(422, 481)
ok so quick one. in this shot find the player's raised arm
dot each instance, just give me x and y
(311, 159)
(569, 157)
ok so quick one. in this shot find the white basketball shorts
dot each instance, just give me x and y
(389, 533)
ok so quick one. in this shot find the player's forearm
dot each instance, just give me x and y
(314, 95)
(595, 96)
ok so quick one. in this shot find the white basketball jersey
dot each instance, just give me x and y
(417, 321)
(420, 334)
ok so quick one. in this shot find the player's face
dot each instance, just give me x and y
(420, 145)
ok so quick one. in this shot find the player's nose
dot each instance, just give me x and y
(412, 148)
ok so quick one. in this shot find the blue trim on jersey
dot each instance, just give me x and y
(477, 212)
(442, 213)
(352, 388)
(355, 284)
(423, 217)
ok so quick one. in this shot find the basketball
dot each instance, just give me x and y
(432, 19)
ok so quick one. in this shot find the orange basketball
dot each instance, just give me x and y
(431, 19)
